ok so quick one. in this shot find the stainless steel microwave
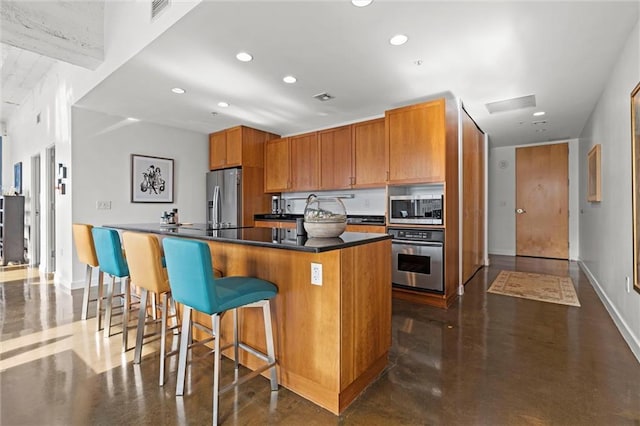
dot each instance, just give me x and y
(424, 209)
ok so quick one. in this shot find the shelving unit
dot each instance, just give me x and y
(12, 229)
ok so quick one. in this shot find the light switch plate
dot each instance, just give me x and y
(103, 205)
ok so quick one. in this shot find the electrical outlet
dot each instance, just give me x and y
(103, 205)
(627, 283)
(316, 273)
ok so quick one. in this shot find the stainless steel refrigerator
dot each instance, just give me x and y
(224, 200)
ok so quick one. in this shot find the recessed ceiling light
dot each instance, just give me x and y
(178, 90)
(244, 57)
(417, 62)
(398, 39)
(361, 3)
(223, 104)
(289, 79)
(538, 114)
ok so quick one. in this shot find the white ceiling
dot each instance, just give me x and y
(562, 52)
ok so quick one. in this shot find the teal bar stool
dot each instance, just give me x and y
(112, 262)
(193, 284)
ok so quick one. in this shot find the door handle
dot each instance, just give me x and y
(520, 211)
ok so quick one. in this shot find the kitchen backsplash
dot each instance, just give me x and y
(364, 201)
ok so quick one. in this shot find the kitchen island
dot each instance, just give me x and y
(332, 339)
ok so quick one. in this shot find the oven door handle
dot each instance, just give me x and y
(418, 243)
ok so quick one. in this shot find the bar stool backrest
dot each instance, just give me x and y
(85, 248)
(109, 251)
(191, 274)
(144, 259)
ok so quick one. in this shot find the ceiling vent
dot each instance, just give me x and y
(511, 104)
(157, 6)
(323, 97)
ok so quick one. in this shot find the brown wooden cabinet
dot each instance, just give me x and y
(335, 158)
(416, 139)
(369, 157)
(244, 147)
(277, 170)
(236, 147)
(304, 160)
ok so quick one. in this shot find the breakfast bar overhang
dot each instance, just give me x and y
(332, 339)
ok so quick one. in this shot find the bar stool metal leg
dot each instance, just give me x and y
(164, 308)
(137, 355)
(271, 353)
(215, 321)
(109, 308)
(184, 346)
(100, 299)
(85, 297)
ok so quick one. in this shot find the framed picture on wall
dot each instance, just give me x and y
(151, 179)
(17, 177)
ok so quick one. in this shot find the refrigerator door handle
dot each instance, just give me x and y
(216, 206)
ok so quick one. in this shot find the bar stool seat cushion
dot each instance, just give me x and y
(239, 291)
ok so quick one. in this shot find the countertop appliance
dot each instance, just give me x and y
(224, 200)
(418, 258)
(422, 209)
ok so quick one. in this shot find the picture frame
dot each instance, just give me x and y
(635, 182)
(594, 187)
(17, 177)
(151, 179)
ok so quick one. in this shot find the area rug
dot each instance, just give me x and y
(544, 288)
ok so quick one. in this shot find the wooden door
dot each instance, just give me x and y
(305, 162)
(416, 143)
(542, 201)
(276, 168)
(335, 158)
(234, 147)
(369, 161)
(217, 150)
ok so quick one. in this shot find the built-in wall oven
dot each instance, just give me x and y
(418, 258)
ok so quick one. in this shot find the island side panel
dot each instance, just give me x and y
(366, 316)
(306, 317)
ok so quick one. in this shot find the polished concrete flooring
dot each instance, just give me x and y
(488, 360)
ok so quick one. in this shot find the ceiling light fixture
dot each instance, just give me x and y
(361, 3)
(538, 114)
(398, 39)
(289, 79)
(178, 90)
(223, 104)
(244, 57)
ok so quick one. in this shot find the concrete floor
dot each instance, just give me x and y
(488, 360)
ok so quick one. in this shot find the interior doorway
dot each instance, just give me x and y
(34, 237)
(50, 184)
(542, 201)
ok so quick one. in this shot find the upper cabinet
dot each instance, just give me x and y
(277, 170)
(369, 157)
(305, 165)
(335, 158)
(416, 141)
(237, 146)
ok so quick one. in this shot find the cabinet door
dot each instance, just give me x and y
(305, 162)
(276, 167)
(217, 150)
(416, 143)
(234, 147)
(369, 157)
(335, 158)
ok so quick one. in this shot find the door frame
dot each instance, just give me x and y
(34, 237)
(50, 213)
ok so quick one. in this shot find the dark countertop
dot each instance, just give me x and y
(279, 238)
(351, 219)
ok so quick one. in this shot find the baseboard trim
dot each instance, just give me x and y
(69, 287)
(627, 334)
(502, 252)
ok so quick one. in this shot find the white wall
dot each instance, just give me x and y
(502, 200)
(606, 246)
(101, 171)
(128, 29)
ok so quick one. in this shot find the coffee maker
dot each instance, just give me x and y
(276, 204)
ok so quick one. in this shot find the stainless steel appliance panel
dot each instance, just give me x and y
(426, 209)
(224, 201)
(418, 259)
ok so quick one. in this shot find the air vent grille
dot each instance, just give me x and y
(511, 104)
(323, 97)
(157, 6)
